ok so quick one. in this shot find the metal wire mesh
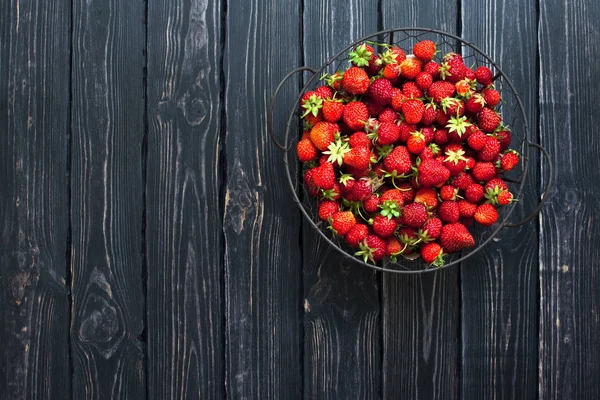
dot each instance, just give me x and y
(511, 110)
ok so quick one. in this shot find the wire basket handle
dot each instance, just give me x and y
(272, 104)
(545, 194)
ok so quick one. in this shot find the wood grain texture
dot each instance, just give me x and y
(569, 343)
(342, 343)
(500, 284)
(34, 123)
(261, 226)
(185, 306)
(107, 206)
(421, 353)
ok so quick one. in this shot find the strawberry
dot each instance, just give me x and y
(440, 90)
(490, 150)
(355, 81)
(424, 80)
(427, 196)
(462, 180)
(398, 161)
(398, 54)
(431, 230)
(491, 97)
(332, 110)
(496, 184)
(413, 111)
(416, 143)
(456, 237)
(311, 103)
(342, 222)
(453, 68)
(505, 198)
(306, 150)
(441, 136)
(464, 89)
(327, 208)
(477, 140)
(470, 163)
(424, 50)
(432, 173)
(323, 134)
(355, 115)
(441, 118)
(397, 99)
(414, 215)
(388, 115)
(449, 211)
(324, 176)
(358, 157)
(474, 192)
(309, 182)
(429, 114)
(475, 103)
(384, 226)
(356, 234)
(455, 159)
(359, 139)
(394, 195)
(387, 133)
(410, 68)
(411, 90)
(361, 55)
(371, 204)
(448, 193)
(405, 130)
(362, 189)
(466, 208)
(504, 137)
(373, 248)
(394, 248)
(483, 171)
(324, 92)
(486, 214)
(380, 91)
(453, 107)
(488, 120)
(433, 254)
(509, 160)
(432, 68)
(428, 134)
(484, 75)
(391, 72)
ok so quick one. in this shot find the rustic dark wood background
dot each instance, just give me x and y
(149, 248)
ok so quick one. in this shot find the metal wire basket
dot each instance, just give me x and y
(511, 109)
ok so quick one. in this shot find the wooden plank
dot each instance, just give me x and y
(261, 224)
(185, 306)
(570, 225)
(421, 333)
(34, 205)
(107, 207)
(341, 300)
(499, 284)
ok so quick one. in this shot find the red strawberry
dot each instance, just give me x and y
(411, 90)
(433, 254)
(416, 143)
(441, 137)
(361, 55)
(380, 91)
(496, 184)
(432, 68)
(464, 89)
(394, 247)
(429, 114)
(424, 50)
(441, 118)
(397, 99)
(509, 160)
(427, 196)
(414, 215)
(484, 75)
(374, 108)
(488, 120)
(332, 110)
(431, 230)
(475, 103)
(311, 103)
(424, 80)
(405, 130)
(358, 157)
(483, 171)
(360, 139)
(486, 214)
(388, 115)
(398, 54)
(453, 68)
(373, 248)
(448, 193)
(362, 189)
(449, 211)
(505, 198)
(355, 115)
(474, 192)
(491, 97)
(462, 180)
(466, 208)
(439, 90)
(410, 68)
(432, 173)
(504, 137)
(342, 222)
(490, 150)
(375, 65)
(322, 134)
(455, 159)
(455, 237)
(324, 176)
(327, 208)
(394, 195)
(306, 150)
(324, 92)
(398, 160)
(391, 72)
(355, 81)
(387, 133)
(309, 182)
(413, 111)
(371, 204)
(384, 226)
(356, 234)
(477, 140)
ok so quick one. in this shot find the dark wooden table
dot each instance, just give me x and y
(148, 248)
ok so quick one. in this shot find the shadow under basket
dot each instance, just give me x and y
(511, 109)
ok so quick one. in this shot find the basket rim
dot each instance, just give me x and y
(524, 151)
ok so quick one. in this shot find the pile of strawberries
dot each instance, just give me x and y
(404, 152)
